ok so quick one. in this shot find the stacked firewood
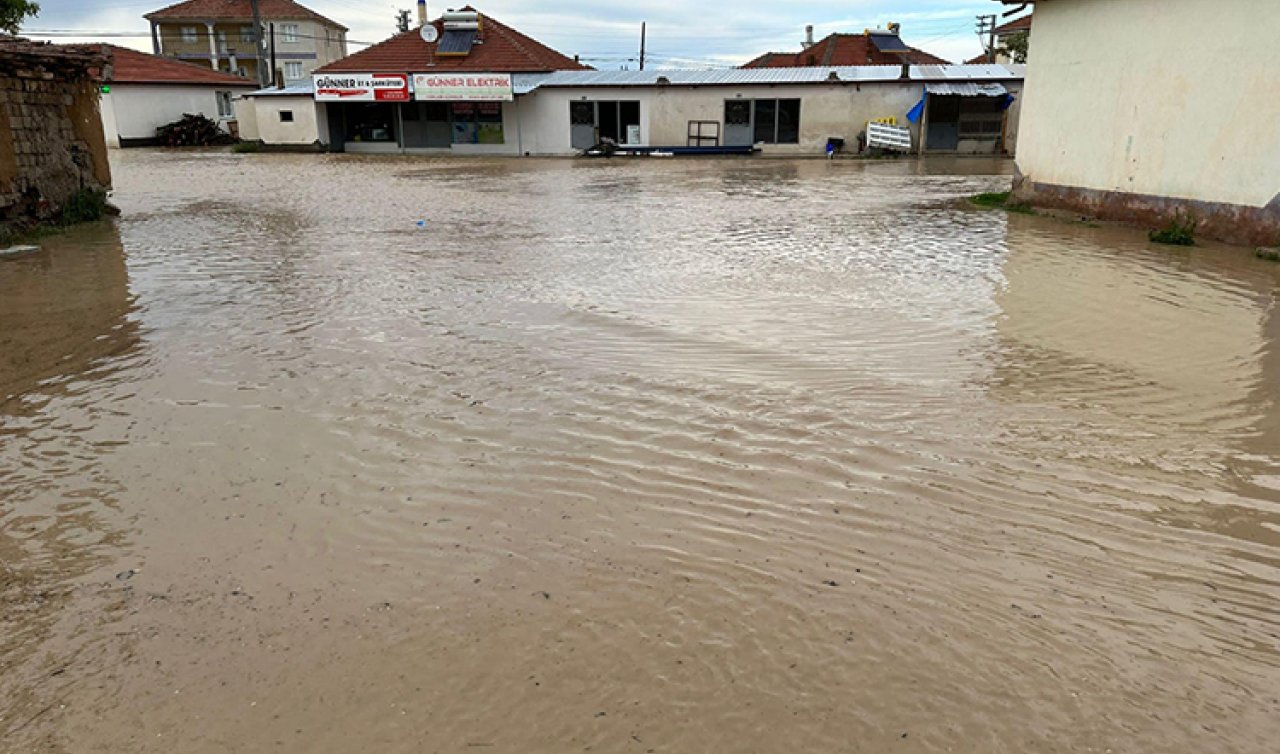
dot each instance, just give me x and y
(193, 131)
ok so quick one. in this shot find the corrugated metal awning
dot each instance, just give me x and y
(967, 89)
(525, 83)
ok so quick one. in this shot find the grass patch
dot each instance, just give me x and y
(991, 200)
(1000, 200)
(247, 147)
(1181, 231)
(85, 206)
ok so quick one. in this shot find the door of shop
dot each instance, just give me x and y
(426, 125)
(592, 122)
(738, 129)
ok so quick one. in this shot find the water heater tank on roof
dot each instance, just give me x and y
(461, 21)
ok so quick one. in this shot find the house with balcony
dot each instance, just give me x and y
(221, 34)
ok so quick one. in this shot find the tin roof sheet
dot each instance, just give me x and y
(525, 83)
(298, 89)
(967, 89)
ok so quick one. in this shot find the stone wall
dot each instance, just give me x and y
(51, 140)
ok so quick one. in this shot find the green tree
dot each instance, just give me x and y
(1015, 46)
(14, 12)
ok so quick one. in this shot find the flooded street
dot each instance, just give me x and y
(686, 456)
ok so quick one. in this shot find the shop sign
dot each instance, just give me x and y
(463, 87)
(361, 87)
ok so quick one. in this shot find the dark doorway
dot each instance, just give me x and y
(426, 125)
(591, 122)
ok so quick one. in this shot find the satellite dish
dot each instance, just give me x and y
(429, 34)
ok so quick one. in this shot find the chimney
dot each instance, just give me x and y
(808, 37)
(422, 13)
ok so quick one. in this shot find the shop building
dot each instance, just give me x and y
(780, 111)
(445, 87)
(467, 84)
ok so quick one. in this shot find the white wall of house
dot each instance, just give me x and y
(262, 119)
(1171, 98)
(840, 110)
(135, 111)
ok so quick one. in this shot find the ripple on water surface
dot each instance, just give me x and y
(718, 456)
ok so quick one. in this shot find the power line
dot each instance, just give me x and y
(163, 35)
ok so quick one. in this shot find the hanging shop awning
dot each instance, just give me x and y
(967, 90)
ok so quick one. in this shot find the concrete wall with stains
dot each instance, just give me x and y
(51, 143)
(1164, 99)
(263, 119)
(826, 110)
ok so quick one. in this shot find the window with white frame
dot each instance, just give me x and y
(225, 110)
(190, 34)
(292, 70)
(289, 32)
(247, 35)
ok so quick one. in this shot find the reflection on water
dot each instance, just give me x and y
(670, 456)
(68, 338)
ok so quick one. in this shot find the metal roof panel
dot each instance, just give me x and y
(525, 83)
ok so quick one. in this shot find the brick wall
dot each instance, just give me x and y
(51, 141)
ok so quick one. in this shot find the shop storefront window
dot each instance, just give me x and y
(371, 122)
(477, 123)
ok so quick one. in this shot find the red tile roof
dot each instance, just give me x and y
(843, 49)
(1017, 24)
(238, 9)
(133, 67)
(498, 49)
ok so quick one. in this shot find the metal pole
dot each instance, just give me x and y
(924, 124)
(274, 78)
(642, 39)
(259, 43)
(987, 28)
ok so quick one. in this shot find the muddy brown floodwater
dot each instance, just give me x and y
(687, 456)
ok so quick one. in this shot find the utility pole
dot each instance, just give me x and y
(275, 75)
(264, 76)
(642, 35)
(402, 21)
(987, 32)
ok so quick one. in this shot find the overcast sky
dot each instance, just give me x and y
(607, 35)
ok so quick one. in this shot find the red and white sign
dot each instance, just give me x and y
(463, 87)
(361, 87)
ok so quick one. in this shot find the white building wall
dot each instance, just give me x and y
(247, 119)
(135, 111)
(1171, 98)
(838, 110)
(107, 108)
(307, 128)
